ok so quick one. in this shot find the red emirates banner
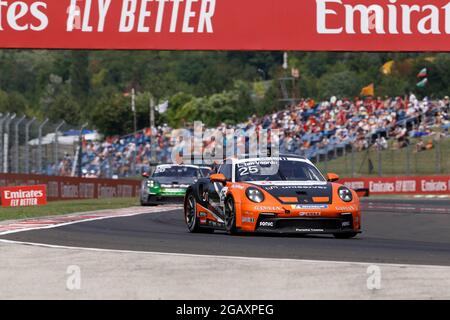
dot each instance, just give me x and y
(401, 185)
(350, 25)
(24, 196)
(68, 188)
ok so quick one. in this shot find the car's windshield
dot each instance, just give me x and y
(176, 171)
(205, 172)
(277, 170)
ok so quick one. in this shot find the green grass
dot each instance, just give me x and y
(394, 162)
(65, 207)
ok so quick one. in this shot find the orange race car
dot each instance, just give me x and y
(285, 194)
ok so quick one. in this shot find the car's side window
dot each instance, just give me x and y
(226, 170)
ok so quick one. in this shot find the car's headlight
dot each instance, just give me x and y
(345, 194)
(255, 195)
(151, 184)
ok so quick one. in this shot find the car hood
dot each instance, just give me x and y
(175, 181)
(298, 192)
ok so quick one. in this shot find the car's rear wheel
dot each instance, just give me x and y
(190, 214)
(347, 235)
(230, 216)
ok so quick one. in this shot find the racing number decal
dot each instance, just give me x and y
(245, 171)
(160, 170)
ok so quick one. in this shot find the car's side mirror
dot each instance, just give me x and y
(219, 178)
(146, 175)
(332, 177)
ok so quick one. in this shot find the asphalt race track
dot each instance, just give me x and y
(395, 231)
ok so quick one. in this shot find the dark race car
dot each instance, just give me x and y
(168, 183)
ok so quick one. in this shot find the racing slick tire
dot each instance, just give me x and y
(230, 216)
(146, 203)
(190, 215)
(347, 235)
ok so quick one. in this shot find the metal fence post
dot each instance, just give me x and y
(6, 143)
(16, 144)
(438, 156)
(2, 121)
(80, 151)
(353, 161)
(110, 165)
(408, 159)
(134, 165)
(27, 146)
(380, 170)
(1, 126)
(39, 162)
(56, 142)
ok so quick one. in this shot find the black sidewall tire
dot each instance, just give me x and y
(230, 227)
(194, 228)
(143, 203)
(147, 203)
(348, 235)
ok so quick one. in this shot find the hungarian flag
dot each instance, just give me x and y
(423, 73)
(368, 91)
(422, 83)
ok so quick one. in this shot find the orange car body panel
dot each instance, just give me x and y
(247, 212)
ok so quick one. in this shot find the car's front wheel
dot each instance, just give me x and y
(144, 200)
(146, 203)
(190, 214)
(347, 235)
(230, 216)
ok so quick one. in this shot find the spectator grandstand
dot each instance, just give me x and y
(318, 131)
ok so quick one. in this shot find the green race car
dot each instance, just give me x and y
(168, 183)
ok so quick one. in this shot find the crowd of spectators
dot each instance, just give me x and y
(308, 128)
(124, 156)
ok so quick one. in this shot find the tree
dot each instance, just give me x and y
(58, 103)
(176, 102)
(341, 84)
(64, 107)
(112, 115)
(13, 102)
(208, 86)
(439, 76)
(4, 107)
(393, 86)
(80, 77)
(270, 101)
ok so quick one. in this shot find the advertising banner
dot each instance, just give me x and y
(336, 25)
(23, 196)
(67, 188)
(401, 185)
